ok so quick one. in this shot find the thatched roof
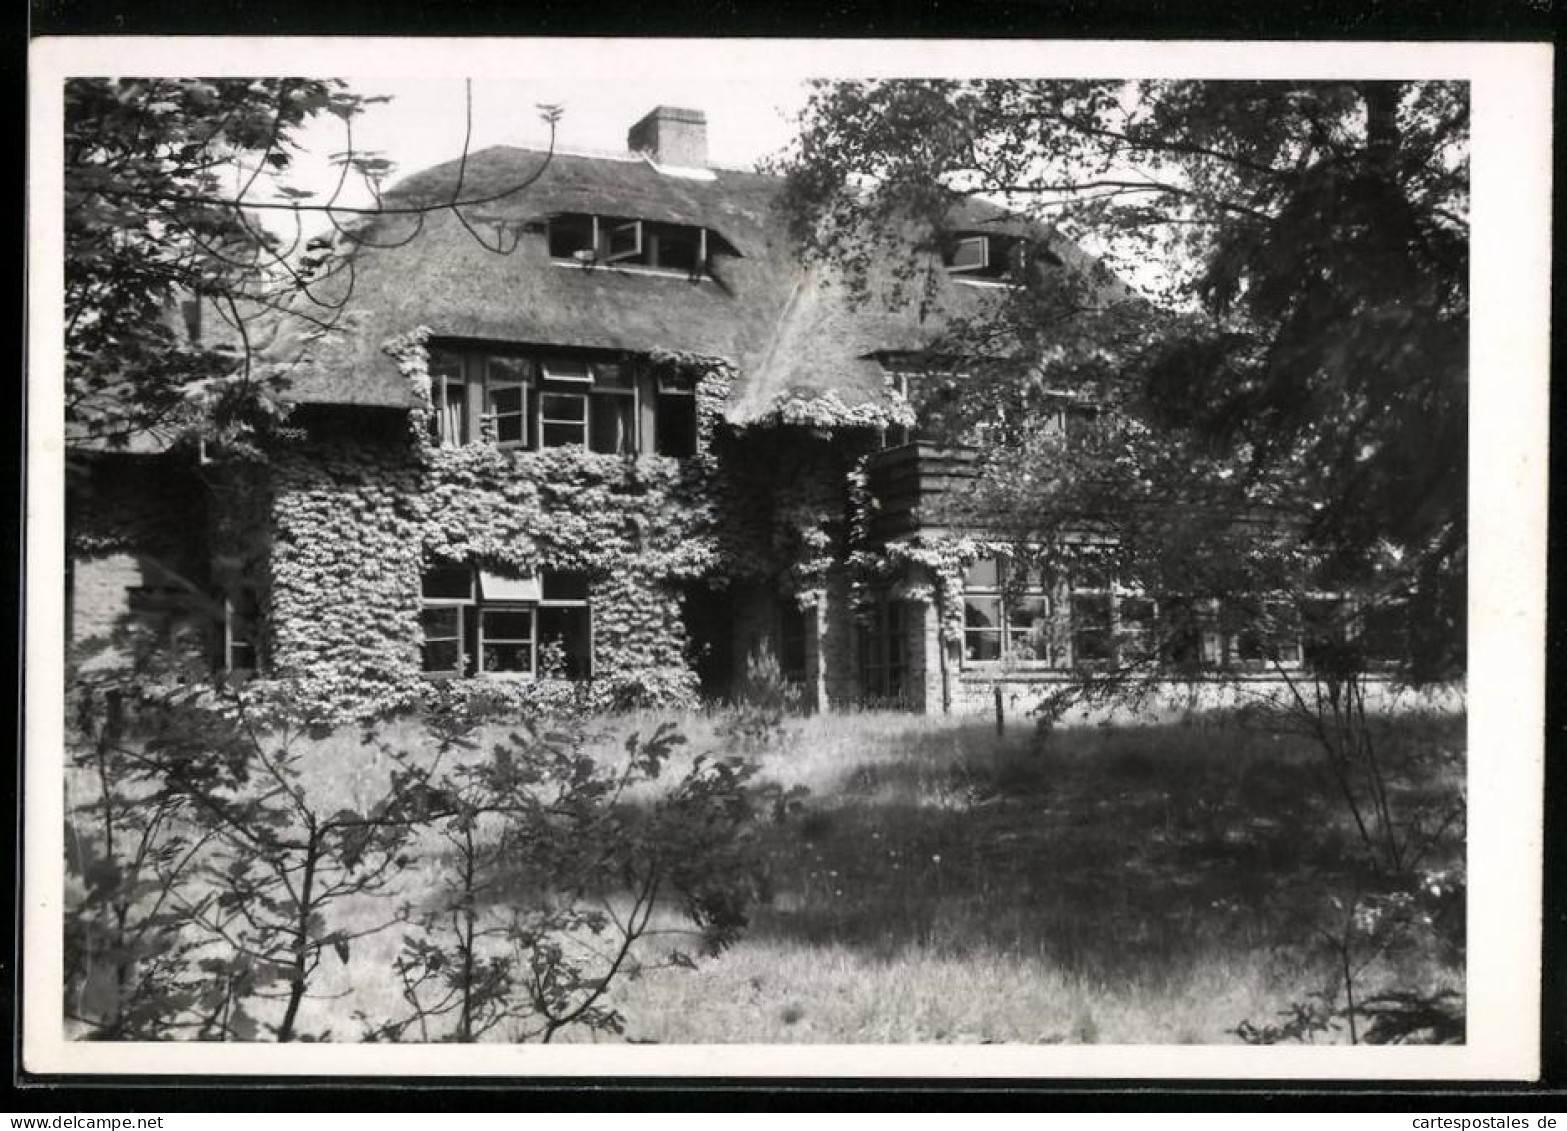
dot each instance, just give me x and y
(790, 332)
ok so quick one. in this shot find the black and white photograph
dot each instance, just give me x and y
(1025, 561)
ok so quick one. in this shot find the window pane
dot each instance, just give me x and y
(676, 247)
(442, 646)
(442, 623)
(569, 234)
(565, 585)
(563, 407)
(1028, 629)
(507, 657)
(506, 399)
(441, 655)
(614, 424)
(574, 370)
(983, 574)
(610, 375)
(982, 645)
(448, 583)
(511, 428)
(674, 428)
(982, 628)
(982, 612)
(1091, 641)
(565, 643)
(507, 625)
(564, 435)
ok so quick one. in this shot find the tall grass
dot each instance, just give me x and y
(1127, 884)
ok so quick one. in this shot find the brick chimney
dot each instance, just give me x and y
(671, 136)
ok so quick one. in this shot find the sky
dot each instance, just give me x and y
(423, 123)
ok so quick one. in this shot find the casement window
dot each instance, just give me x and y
(994, 257)
(623, 241)
(506, 382)
(1006, 613)
(674, 416)
(550, 402)
(480, 622)
(883, 649)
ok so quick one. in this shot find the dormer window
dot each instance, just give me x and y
(986, 255)
(631, 242)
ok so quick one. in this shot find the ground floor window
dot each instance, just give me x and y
(1006, 613)
(793, 628)
(242, 630)
(1014, 614)
(478, 622)
(884, 650)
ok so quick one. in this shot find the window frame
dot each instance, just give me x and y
(232, 637)
(1006, 596)
(471, 639)
(883, 640)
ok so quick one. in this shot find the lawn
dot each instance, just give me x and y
(943, 883)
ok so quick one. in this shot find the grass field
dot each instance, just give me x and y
(1117, 885)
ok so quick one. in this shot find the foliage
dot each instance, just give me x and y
(145, 163)
(1308, 355)
(637, 527)
(213, 869)
(552, 880)
(170, 185)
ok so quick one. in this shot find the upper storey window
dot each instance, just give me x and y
(981, 255)
(557, 401)
(626, 241)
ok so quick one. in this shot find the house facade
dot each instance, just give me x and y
(601, 437)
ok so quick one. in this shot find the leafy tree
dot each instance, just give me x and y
(1302, 363)
(178, 207)
(1281, 420)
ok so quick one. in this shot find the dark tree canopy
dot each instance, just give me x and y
(1302, 353)
(165, 180)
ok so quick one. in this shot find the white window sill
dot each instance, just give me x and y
(634, 269)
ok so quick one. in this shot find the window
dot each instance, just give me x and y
(242, 630)
(563, 420)
(896, 435)
(478, 622)
(1260, 633)
(506, 383)
(1136, 625)
(674, 420)
(1188, 633)
(613, 411)
(627, 241)
(606, 404)
(793, 622)
(984, 255)
(573, 236)
(1006, 613)
(883, 639)
(565, 627)
(449, 397)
